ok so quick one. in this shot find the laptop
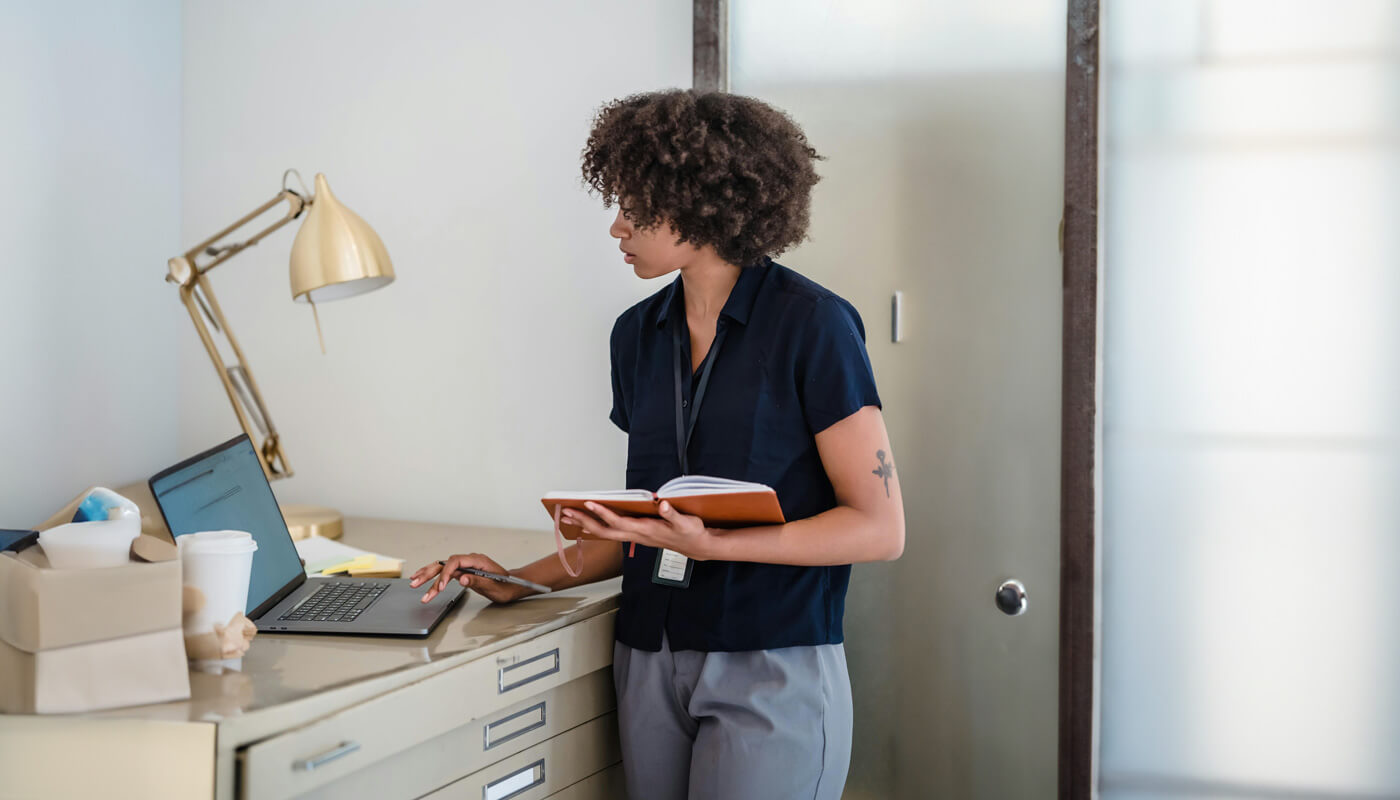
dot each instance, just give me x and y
(225, 489)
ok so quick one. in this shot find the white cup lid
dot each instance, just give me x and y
(217, 542)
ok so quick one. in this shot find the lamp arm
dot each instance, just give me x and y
(198, 299)
(296, 204)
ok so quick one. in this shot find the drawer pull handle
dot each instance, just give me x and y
(339, 751)
(540, 666)
(514, 784)
(504, 729)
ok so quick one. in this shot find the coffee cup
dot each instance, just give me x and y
(218, 565)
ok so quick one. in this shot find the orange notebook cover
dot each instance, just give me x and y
(721, 502)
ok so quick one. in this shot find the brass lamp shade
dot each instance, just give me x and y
(336, 255)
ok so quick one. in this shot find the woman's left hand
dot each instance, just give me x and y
(682, 533)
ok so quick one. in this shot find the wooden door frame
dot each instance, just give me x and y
(1079, 367)
(1079, 405)
(709, 53)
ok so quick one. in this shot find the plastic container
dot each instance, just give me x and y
(102, 503)
(84, 545)
(218, 564)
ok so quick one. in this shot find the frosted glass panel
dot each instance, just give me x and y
(1251, 518)
(1292, 28)
(942, 127)
(1246, 591)
(845, 41)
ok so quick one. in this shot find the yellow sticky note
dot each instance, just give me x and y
(381, 568)
(359, 562)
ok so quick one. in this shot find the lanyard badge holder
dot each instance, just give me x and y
(672, 568)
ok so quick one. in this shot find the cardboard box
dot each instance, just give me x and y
(44, 609)
(131, 671)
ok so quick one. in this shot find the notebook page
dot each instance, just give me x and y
(690, 485)
(607, 494)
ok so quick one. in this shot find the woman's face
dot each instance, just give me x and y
(652, 252)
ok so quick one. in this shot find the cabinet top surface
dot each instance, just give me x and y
(296, 676)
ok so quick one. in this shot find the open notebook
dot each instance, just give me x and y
(719, 501)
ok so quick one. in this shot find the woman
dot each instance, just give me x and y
(731, 674)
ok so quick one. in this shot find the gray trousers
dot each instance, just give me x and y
(760, 725)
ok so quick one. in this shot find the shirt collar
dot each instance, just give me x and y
(737, 307)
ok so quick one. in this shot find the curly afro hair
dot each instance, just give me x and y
(722, 169)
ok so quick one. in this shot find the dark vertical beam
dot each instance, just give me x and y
(710, 46)
(1079, 402)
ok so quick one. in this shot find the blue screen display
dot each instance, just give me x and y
(226, 490)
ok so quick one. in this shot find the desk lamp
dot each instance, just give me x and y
(335, 255)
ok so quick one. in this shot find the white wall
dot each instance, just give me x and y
(479, 379)
(89, 212)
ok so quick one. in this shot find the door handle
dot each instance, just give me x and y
(1011, 598)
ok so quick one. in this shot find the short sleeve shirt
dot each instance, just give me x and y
(792, 363)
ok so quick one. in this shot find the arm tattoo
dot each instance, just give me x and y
(885, 470)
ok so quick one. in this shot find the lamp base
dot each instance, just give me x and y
(304, 521)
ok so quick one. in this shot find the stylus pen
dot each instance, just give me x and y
(539, 587)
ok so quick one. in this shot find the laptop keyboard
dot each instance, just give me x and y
(337, 601)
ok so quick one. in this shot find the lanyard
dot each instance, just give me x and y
(685, 428)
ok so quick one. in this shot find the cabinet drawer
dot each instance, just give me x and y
(301, 760)
(606, 785)
(546, 768)
(479, 743)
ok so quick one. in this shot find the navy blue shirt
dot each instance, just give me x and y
(792, 363)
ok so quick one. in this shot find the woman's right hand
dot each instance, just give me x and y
(440, 574)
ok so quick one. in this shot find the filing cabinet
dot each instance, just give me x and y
(544, 769)
(551, 697)
(604, 785)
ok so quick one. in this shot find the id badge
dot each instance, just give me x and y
(672, 569)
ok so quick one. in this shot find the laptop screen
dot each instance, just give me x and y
(225, 489)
